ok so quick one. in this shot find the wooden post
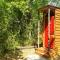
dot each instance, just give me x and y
(49, 29)
(38, 28)
(38, 32)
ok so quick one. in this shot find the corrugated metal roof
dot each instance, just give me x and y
(54, 3)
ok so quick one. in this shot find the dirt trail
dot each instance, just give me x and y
(28, 51)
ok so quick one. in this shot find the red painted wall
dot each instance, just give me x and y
(46, 33)
(51, 32)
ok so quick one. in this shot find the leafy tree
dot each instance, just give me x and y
(18, 23)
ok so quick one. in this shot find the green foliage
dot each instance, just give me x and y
(18, 23)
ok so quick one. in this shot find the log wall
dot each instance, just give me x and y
(57, 29)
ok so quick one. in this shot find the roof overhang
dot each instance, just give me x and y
(45, 8)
